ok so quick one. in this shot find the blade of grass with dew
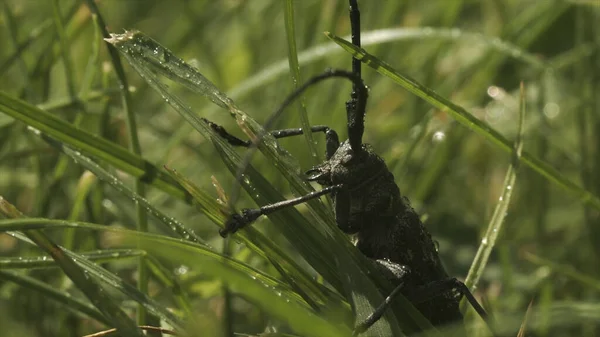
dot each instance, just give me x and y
(92, 290)
(260, 287)
(25, 224)
(495, 225)
(67, 300)
(278, 304)
(375, 37)
(290, 30)
(98, 256)
(89, 143)
(148, 57)
(171, 223)
(471, 122)
(209, 207)
(134, 146)
(138, 48)
(260, 244)
(109, 279)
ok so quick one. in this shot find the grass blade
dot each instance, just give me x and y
(69, 302)
(93, 291)
(495, 225)
(89, 143)
(464, 117)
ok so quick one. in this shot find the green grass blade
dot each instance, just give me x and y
(208, 253)
(294, 65)
(89, 287)
(316, 240)
(88, 143)
(495, 225)
(299, 317)
(48, 291)
(98, 256)
(170, 223)
(468, 120)
(261, 245)
(274, 296)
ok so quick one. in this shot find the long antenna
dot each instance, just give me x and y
(357, 105)
(361, 93)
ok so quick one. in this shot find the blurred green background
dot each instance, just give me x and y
(474, 53)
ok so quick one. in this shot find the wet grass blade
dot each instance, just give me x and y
(89, 143)
(98, 256)
(495, 225)
(468, 120)
(89, 287)
(317, 239)
(172, 224)
(294, 65)
(274, 296)
(70, 302)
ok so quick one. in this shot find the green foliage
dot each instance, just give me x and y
(71, 106)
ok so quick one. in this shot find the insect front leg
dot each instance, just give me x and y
(249, 215)
(331, 137)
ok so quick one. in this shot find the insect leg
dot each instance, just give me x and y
(437, 288)
(249, 215)
(396, 273)
(235, 141)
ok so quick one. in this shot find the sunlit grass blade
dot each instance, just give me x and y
(89, 287)
(316, 240)
(70, 302)
(260, 244)
(171, 223)
(207, 253)
(495, 225)
(98, 256)
(89, 143)
(383, 36)
(467, 119)
(102, 275)
(254, 284)
(278, 304)
(294, 65)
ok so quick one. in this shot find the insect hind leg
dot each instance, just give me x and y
(438, 288)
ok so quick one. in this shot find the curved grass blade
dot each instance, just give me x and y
(98, 256)
(382, 36)
(317, 240)
(464, 117)
(47, 291)
(28, 224)
(89, 143)
(172, 224)
(92, 290)
(261, 245)
(276, 297)
(109, 279)
(278, 304)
